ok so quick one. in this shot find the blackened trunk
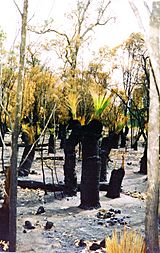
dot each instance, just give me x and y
(114, 139)
(91, 166)
(89, 188)
(104, 155)
(62, 135)
(143, 162)
(4, 221)
(70, 177)
(114, 187)
(26, 161)
(104, 164)
(51, 144)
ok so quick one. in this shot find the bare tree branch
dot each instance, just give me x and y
(80, 29)
(18, 8)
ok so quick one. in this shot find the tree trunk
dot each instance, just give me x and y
(70, 177)
(152, 240)
(91, 166)
(13, 185)
(104, 155)
(152, 42)
(151, 225)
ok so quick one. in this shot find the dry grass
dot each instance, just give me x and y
(128, 241)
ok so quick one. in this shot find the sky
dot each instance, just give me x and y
(40, 10)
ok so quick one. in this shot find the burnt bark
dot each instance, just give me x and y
(143, 162)
(114, 187)
(123, 135)
(104, 155)
(91, 166)
(4, 221)
(26, 161)
(70, 177)
(62, 135)
(114, 139)
(51, 144)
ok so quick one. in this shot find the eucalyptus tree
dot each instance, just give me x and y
(151, 28)
(2, 38)
(132, 63)
(84, 19)
(15, 134)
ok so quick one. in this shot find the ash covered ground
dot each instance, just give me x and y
(74, 230)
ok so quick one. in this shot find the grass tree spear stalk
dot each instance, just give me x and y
(15, 133)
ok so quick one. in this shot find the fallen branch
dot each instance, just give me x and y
(30, 184)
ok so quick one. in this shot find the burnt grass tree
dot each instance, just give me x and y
(115, 182)
(28, 137)
(123, 134)
(51, 141)
(62, 134)
(4, 221)
(114, 139)
(105, 149)
(51, 144)
(91, 165)
(70, 177)
(107, 144)
(143, 162)
(4, 210)
(114, 186)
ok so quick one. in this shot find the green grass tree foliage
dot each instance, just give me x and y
(100, 102)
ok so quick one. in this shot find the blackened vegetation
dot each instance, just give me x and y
(28, 138)
(70, 177)
(114, 139)
(26, 160)
(95, 159)
(104, 155)
(123, 134)
(51, 144)
(116, 178)
(62, 134)
(114, 187)
(143, 162)
(91, 165)
(4, 224)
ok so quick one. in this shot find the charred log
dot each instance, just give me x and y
(30, 184)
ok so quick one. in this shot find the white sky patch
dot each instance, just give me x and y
(39, 10)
